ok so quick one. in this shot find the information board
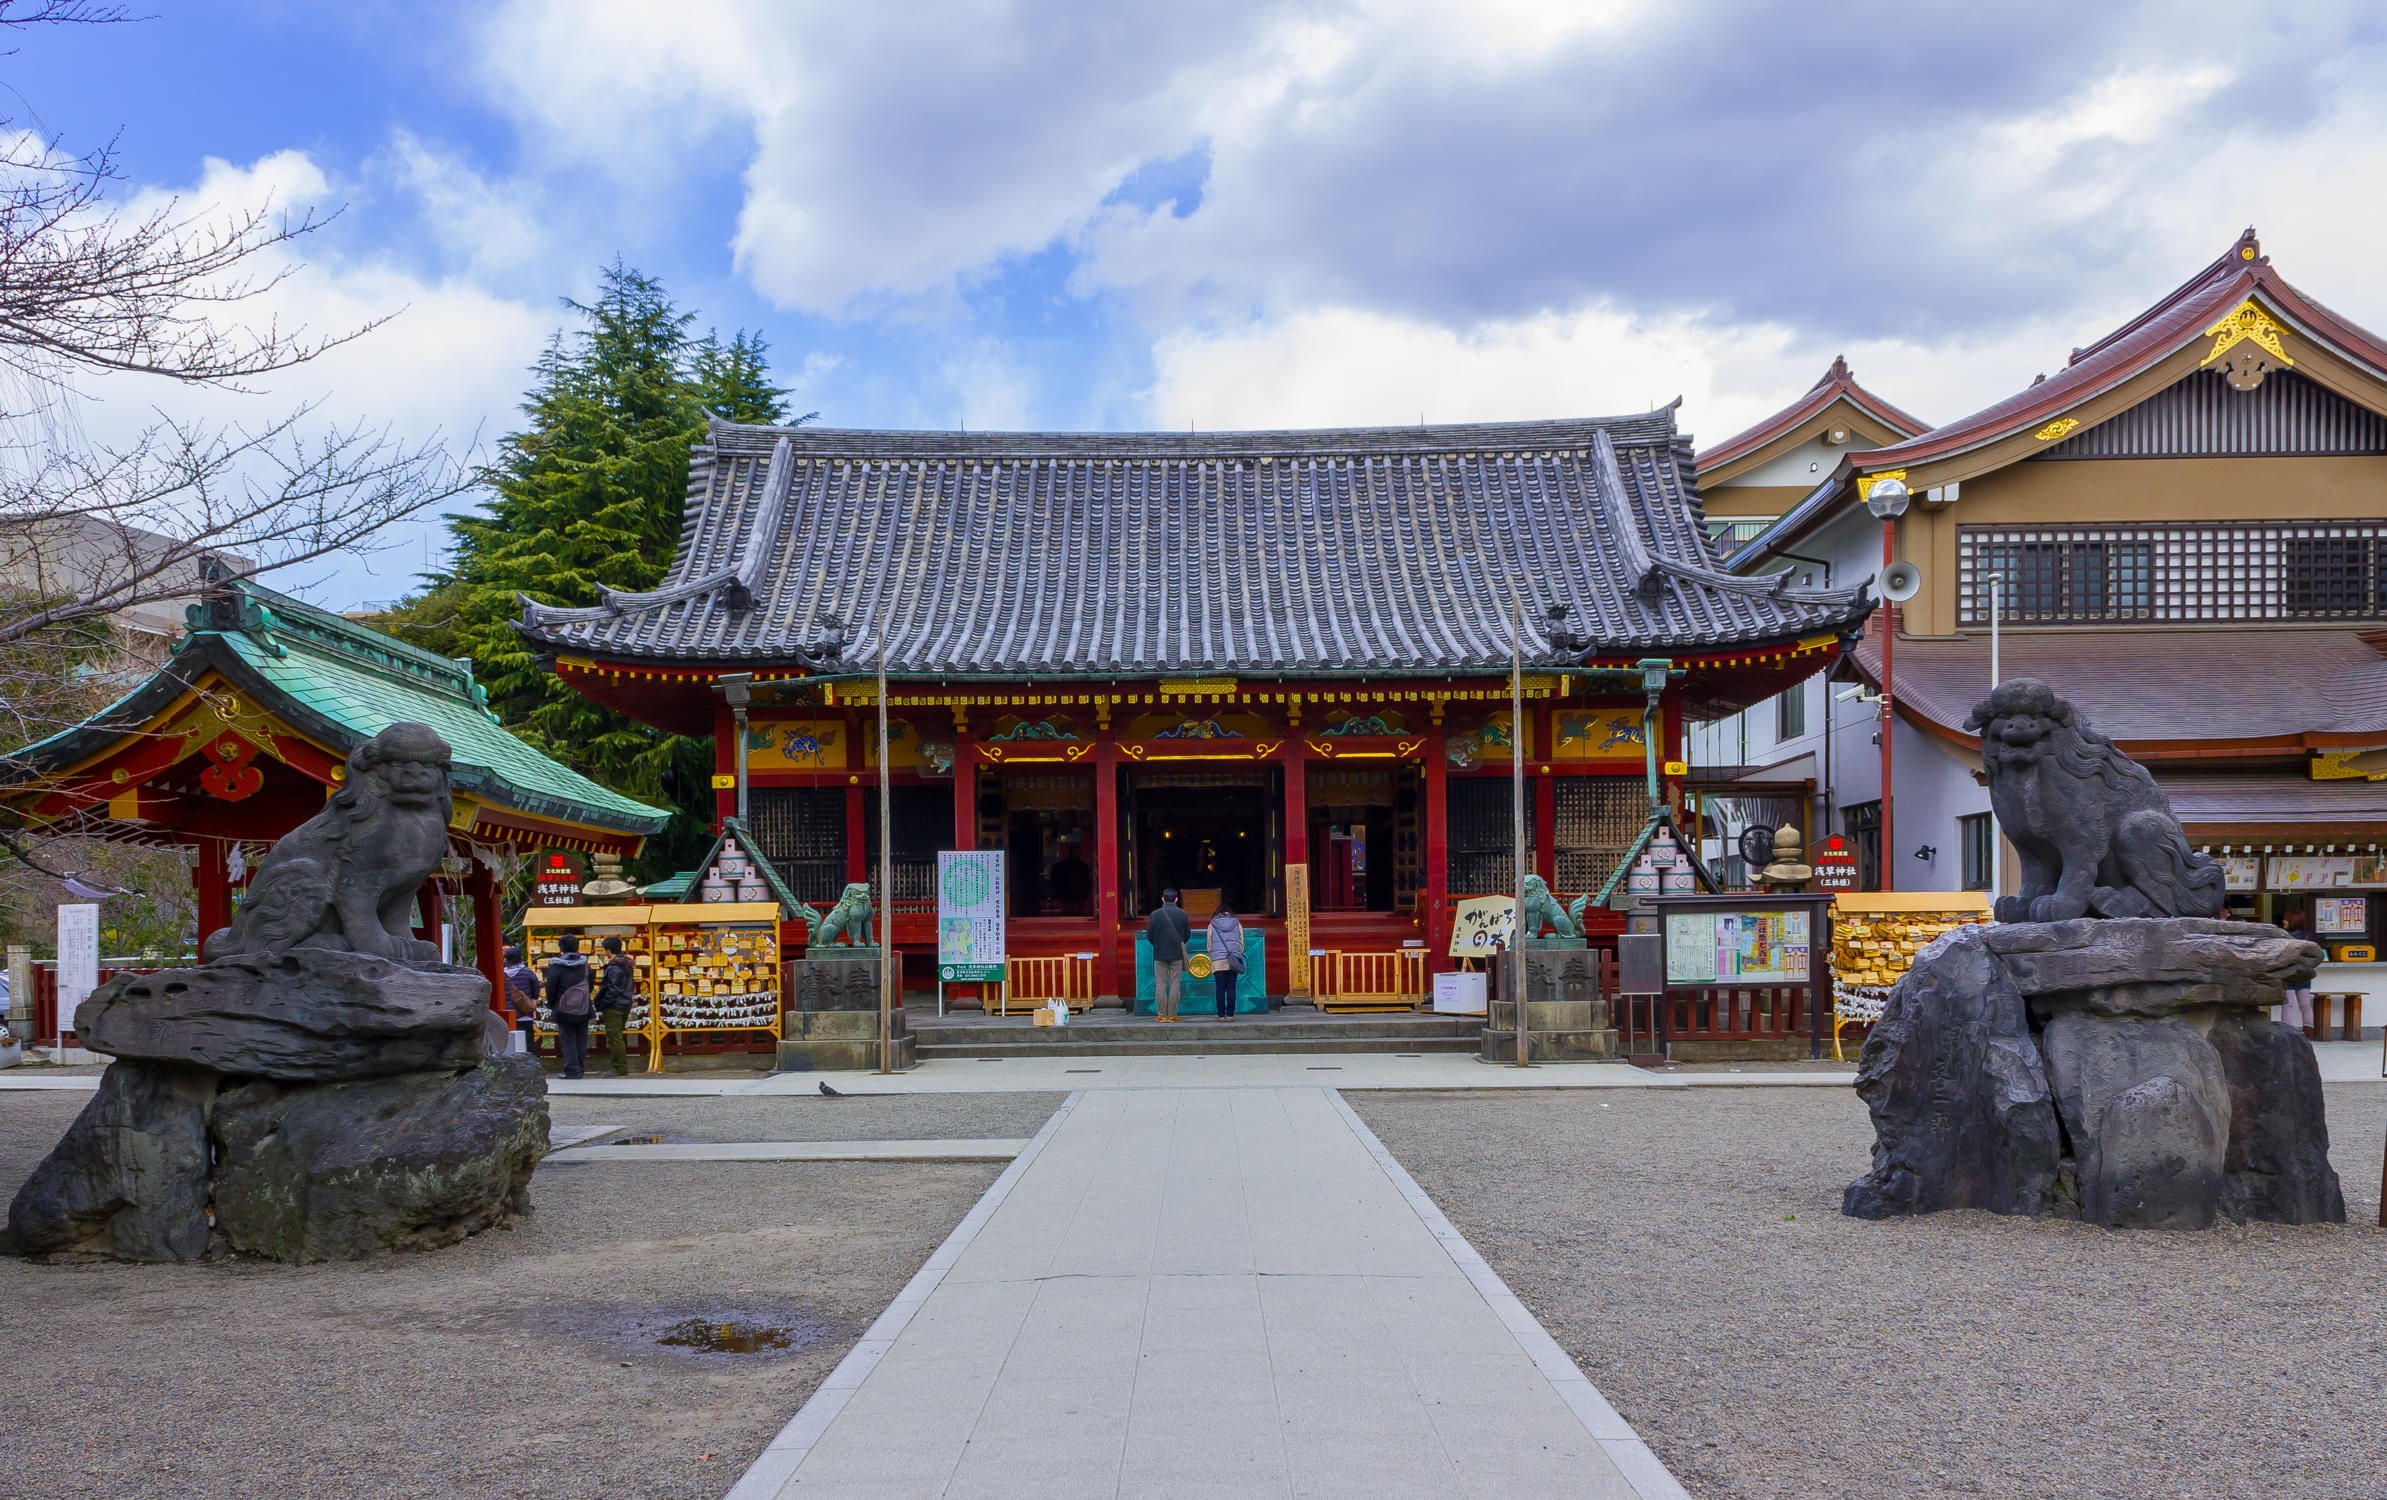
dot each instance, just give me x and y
(1480, 925)
(1835, 864)
(78, 960)
(1737, 947)
(970, 915)
(2341, 916)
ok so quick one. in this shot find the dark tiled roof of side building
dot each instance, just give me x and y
(1372, 550)
(2148, 688)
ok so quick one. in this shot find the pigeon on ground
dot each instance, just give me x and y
(828, 1092)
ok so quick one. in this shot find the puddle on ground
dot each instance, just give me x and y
(693, 1330)
(708, 1337)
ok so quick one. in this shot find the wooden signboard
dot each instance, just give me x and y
(1835, 863)
(1297, 929)
(557, 878)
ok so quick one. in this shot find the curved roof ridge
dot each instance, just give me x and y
(1838, 382)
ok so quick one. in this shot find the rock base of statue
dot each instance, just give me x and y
(833, 1014)
(2117, 1071)
(1566, 1019)
(321, 1105)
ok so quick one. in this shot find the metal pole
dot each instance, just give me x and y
(1889, 720)
(888, 979)
(1517, 741)
(1996, 586)
(739, 713)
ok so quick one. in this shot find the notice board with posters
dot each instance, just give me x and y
(970, 916)
(1738, 947)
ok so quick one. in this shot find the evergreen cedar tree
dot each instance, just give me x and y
(588, 494)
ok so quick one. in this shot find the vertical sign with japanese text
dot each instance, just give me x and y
(78, 960)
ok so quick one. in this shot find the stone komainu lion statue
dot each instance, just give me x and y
(2096, 835)
(347, 877)
(849, 918)
(1542, 910)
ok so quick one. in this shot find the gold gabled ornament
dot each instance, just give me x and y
(2251, 343)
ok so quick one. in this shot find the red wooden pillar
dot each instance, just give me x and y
(857, 859)
(1437, 852)
(1545, 797)
(428, 909)
(1106, 868)
(1296, 756)
(212, 887)
(488, 935)
(726, 751)
(965, 789)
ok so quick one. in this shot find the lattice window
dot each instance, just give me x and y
(802, 833)
(1596, 820)
(1482, 851)
(923, 819)
(1861, 821)
(2237, 570)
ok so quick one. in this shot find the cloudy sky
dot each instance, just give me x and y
(1145, 213)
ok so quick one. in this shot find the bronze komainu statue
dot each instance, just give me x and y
(347, 877)
(849, 919)
(2096, 835)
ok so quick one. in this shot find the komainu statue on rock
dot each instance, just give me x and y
(2096, 835)
(322, 1087)
(346, 878)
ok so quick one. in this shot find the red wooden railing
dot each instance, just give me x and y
(45, 995)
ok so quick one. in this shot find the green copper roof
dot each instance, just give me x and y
(343, 683)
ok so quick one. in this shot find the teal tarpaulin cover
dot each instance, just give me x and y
(1200, 996)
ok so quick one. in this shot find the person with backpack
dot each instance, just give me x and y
(617, 986)
(571, 1001)
(522, 998)
(1166, 930)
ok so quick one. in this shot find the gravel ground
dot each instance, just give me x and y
(810, 1117)
(522, 1363)
(1688, 1251)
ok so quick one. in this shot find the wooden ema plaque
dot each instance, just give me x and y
(1835, 862)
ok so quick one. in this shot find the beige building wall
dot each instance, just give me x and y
(2075, 492)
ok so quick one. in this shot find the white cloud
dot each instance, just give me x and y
(450, 357)
(1350, 367)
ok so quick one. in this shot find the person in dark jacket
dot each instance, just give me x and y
(616, 987)
(1166, 930)
(522, 998)
(571, 1000)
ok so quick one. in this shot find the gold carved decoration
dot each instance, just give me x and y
(2350, 765)
(1866, 482)
(2056, 429)
(2245, 367)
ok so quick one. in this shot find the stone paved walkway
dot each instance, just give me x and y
(1213, 1292)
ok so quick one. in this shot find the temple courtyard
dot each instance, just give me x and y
(1265, 1281)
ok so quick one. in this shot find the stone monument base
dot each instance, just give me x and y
(1566, 1018)
(2117, 1071)
(830, 1040)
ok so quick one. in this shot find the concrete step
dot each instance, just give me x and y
(1092, 1030)
(1187, 1040)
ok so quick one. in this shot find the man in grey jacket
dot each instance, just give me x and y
(1166, 930)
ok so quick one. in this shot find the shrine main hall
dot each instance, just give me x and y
(1143, 660)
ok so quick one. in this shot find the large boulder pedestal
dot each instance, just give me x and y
(2119, 1071)
(317, 1104)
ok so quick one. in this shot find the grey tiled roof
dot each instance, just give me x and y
(1355, 551)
